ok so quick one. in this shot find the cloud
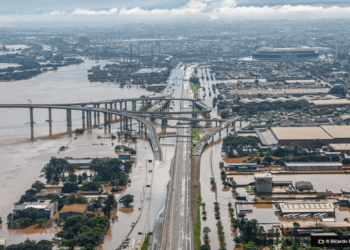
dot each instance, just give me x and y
(57, 13)
(215, 9)
(95, 12)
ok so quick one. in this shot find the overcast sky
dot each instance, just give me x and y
(139, 10)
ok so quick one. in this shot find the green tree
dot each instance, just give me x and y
(126, 200)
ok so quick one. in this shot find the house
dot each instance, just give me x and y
(73, 209)
(44, 206)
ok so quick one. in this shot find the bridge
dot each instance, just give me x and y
(124, 116)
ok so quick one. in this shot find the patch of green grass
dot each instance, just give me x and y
(197, 231)
(146, 242)
(195, 90)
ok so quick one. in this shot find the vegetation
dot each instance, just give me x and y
(338, 90)
(74, 198)
(252, 110)
(109, 203)
(195, 90)
(197, 231)
(239, 145)
(32, 245)
(125, 148)
(27, 218)
(126, 200)
(83, 230)
(146, 242)
(110, 170)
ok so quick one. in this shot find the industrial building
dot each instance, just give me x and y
(307, 136)
(313, 166)
(305, 207)
(46, 207)
(341, 147)
(303, 185)
(263, 182)
(285, 54)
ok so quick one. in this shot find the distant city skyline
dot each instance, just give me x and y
(107, 10)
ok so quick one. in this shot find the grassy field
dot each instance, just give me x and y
(195, 90)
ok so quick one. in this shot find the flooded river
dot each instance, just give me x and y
(22, 160)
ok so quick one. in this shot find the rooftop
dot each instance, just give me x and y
(340, 146)
(300, 133)
(262, 175)
(341, 131)
(77, 208)
(293, 207)
(313, 164)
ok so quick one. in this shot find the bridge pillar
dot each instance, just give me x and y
(95, 115)
(120, 105)
(133, 105)
(31, 112)
(121, 122)
(105, 119)
(139, 127)
(106, 105)
(69, 120)
(50, 122)
(90, 119)
(130, 124)
(83, 118)
(109, 120)
(126, 105)
(143, 102)
(193, 104)
(216, 124)
(164, 123)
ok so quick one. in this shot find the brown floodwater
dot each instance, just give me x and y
(22, 159)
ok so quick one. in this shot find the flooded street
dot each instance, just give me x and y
(22, 160)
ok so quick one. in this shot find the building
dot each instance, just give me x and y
(82, 163)
(313, 166)
(73, 209)
(308, 136)
(341, 147)
(263, 182)
(310, 227)
(303, 185)
(304, 136)
(2, 243)
(44, 206)
(285, 54)
(305, 207)
(240, 166)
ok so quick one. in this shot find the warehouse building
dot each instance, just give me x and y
(46, 207)
(308, 136)
(305, 207)
(341, 147)
(313, 166)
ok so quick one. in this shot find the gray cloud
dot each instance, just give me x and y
(107, 10)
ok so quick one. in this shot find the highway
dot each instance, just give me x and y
(177, 233)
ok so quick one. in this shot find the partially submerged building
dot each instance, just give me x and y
(313, 166)
(46, 207)
(263, 182)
